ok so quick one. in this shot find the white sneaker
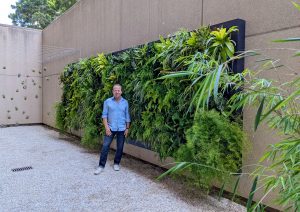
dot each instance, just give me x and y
(116, 167)
(99, 170)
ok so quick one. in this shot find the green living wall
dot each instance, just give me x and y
(173, 106)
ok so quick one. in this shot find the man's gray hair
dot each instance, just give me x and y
(117, 85)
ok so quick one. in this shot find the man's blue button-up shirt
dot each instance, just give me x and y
(117, 113)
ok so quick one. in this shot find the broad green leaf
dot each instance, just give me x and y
(217, 43)
(216, 85)
(228, 52)
(233, 29)
(230, 46)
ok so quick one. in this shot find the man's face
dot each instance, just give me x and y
(117, 91)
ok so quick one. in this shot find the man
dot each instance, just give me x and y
(116, 120)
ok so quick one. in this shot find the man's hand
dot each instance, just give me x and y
(108, 131)
(126, 133)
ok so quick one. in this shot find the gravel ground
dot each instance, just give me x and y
(62, 179)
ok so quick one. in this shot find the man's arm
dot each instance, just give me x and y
(127, 117)
(104, 119)
(127, 129)
(107, 129)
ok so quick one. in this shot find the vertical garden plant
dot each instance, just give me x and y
(174, 106)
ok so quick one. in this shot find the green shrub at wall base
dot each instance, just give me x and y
(215, 142)
(60, 116)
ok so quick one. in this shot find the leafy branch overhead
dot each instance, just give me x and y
(38, 13)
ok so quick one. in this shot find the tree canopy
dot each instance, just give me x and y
(38, 13)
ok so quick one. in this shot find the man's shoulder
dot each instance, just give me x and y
(108, 99)
(123, 99)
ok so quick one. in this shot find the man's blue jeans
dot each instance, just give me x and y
(106, 145)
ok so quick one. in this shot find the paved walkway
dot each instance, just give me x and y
(62, 179)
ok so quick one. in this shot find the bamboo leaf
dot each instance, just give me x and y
(271, 110)
(275, 67)
(282, 182)
(177, 74)
(251, 194)
(263, 60)
(297, 54)
(235, 187)
(296, 5)
(179, 166)
(221, 191)
(282, 103)
(265, 156)
(258, 114)
(287, 40)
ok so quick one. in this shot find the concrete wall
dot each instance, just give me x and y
(284, 52)
(265, 21)
(20, 75)
(94, 26)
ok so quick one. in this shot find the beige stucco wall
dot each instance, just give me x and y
(94, 26)
(20, 75)
(284, 53)
(261, 16)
